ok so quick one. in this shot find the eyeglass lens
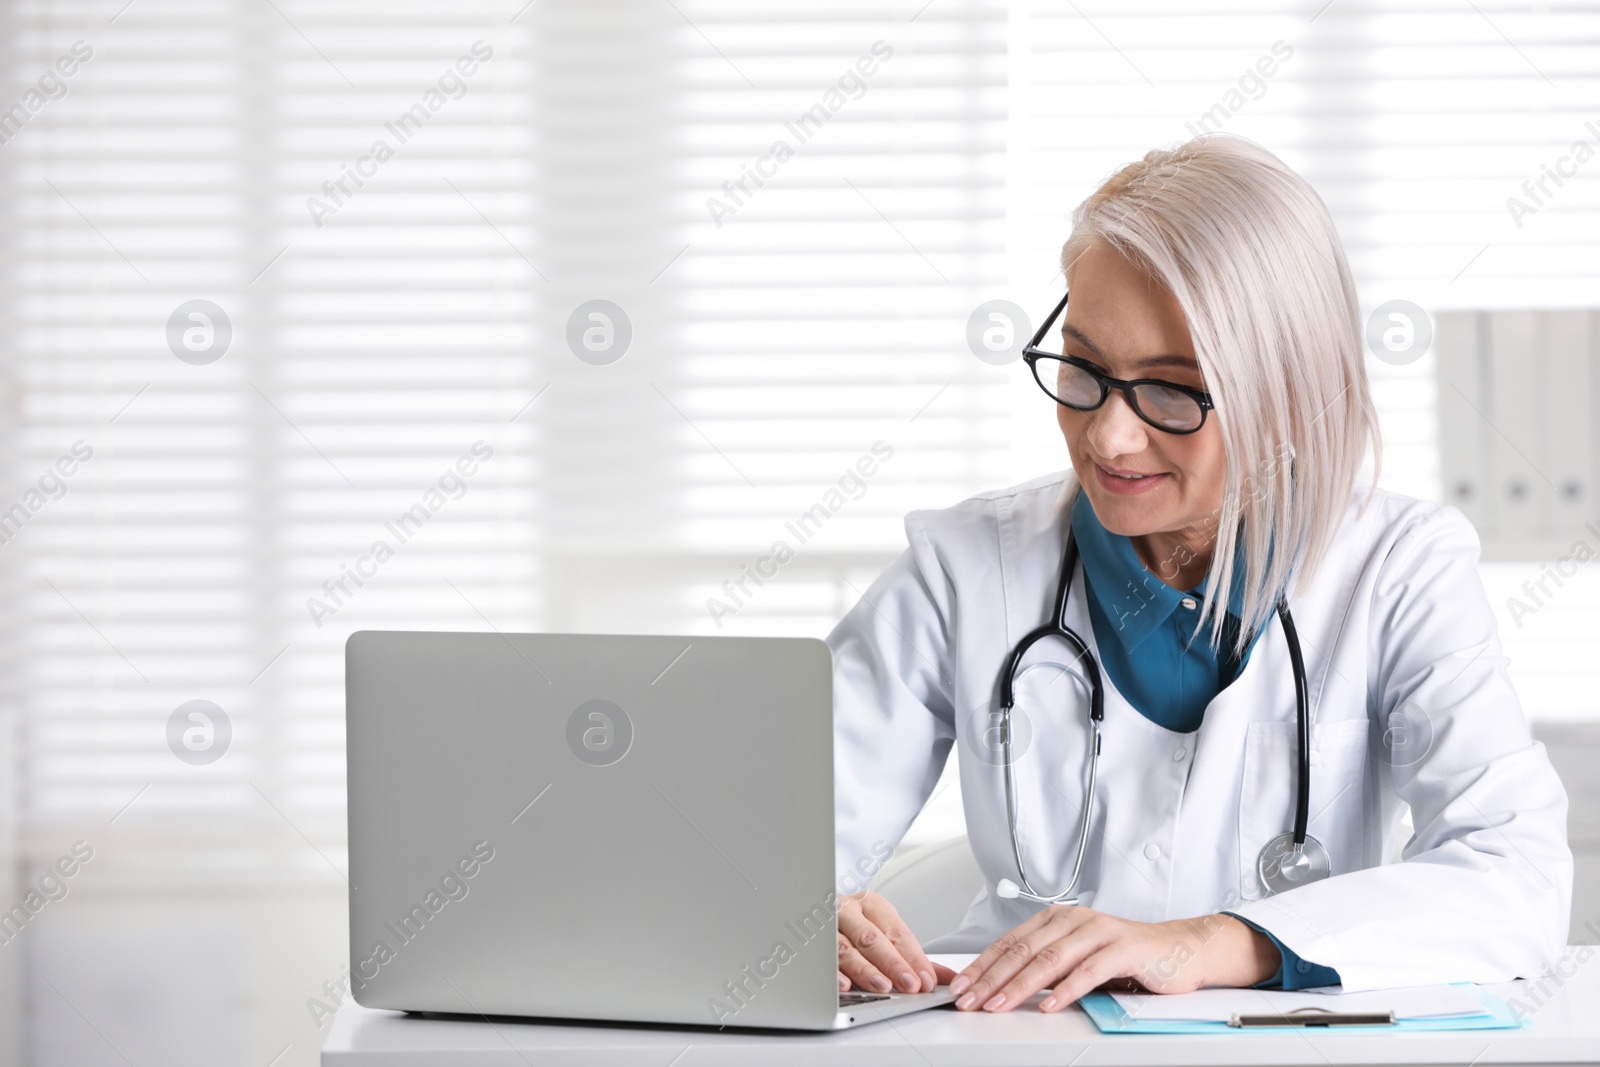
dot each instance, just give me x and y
(1161, 407)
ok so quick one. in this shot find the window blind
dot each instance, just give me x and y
(391, 310)
(394, 220)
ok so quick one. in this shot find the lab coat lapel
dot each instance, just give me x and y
(1211, 873)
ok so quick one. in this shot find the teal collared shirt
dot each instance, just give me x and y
(1145, 629)
(1148, 649)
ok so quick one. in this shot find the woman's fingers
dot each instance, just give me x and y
(1078, 954)
(986, 959)
(1075, 950)
(878, 950)
(883, 915)
(1011, 952)
(1096, 968)
(854, 966)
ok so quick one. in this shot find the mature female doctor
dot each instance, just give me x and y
(1286, 663)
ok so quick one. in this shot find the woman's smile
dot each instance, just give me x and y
(1127, 482)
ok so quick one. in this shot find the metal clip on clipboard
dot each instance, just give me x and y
(1315, 1017)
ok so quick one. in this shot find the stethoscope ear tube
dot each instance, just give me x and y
(1302, 801)
(1296, 859)
(1057, 628)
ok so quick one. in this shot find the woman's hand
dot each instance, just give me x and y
(1075, 949)
(878, 953)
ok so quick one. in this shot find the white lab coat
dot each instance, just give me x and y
(1396, 616)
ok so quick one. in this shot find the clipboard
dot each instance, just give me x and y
(1109, 1018)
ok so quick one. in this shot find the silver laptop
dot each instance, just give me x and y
(591, 827)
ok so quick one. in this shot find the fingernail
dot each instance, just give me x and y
(966, 1003)
(881, 984)
(959, 983)
(995, 1002)
(1047, 1004)
(908, 982)
(929, 982)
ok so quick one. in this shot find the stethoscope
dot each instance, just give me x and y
(1288, 860)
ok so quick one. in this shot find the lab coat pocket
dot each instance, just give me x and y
(1267, 793)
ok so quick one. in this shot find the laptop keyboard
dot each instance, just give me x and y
(850, 1000)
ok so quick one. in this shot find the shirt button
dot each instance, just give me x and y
(1316, 757)
(1179, 754)
(1187, 602)
(1303, 967)
(1151, 852)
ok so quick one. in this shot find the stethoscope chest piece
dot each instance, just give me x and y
(1284, 866)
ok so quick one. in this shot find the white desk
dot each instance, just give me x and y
(1564, 1030)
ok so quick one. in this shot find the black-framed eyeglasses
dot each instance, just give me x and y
(1076, 383)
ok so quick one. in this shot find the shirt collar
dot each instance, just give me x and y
(1135, 600)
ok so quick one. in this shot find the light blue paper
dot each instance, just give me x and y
(1110, 1018)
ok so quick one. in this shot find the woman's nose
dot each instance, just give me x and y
(1115, 429)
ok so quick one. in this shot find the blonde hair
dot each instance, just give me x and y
(1249, 251)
